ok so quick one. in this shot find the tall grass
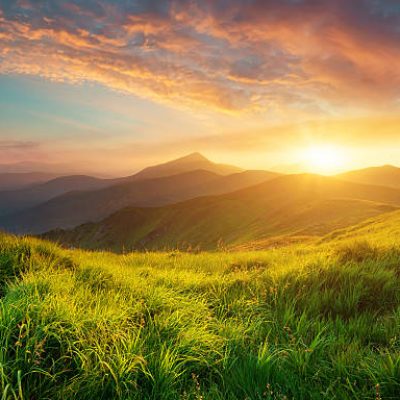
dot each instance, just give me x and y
(301, 322)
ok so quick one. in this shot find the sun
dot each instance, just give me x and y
(324, 159)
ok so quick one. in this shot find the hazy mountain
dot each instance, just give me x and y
(386, 175)
(22, 198)
(17, 200)
(191, 162)
(240, 180)
(19, 180)
(288, 205)
(76, 208)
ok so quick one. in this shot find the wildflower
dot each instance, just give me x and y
(378, 392)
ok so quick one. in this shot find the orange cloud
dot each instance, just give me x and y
(317, 58)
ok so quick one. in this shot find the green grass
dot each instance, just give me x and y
(316, 321)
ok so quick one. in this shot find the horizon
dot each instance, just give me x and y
(289, 86)
(24, 167)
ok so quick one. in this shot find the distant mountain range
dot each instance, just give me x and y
(386, 175)
(19, 180)
(192, 202)
(18, 200)
(288, 205)
(69, 201)
(76, 207)
(41, 189)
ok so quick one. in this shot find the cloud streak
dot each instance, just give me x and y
(11, 150)
(320, 57)
(7, 145)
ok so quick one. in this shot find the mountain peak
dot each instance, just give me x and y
(389, 167)
(193, 157)
(190, 162)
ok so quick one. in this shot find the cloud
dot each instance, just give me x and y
(11, 150)
(322, 57)
(19, 145)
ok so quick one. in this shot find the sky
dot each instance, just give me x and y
(114, 85)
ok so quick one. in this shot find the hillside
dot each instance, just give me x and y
(13, 181)
(381, 229)
(76, 208)
(255, 325)
(236, 181)
(288, 205)
(386, 175)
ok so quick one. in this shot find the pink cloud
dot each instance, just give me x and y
(320, 56)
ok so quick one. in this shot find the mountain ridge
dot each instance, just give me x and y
(18, 180)
(302, 204)
(385, 175)
(75, 208)
(23, 198)
(20, 199)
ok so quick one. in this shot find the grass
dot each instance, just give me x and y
(315, 321)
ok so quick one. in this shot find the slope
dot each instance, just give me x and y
(296, 323)
(383, 229)
(237, 181)
(16, 200)
(288, 205)
(75, 208)
(386, 175)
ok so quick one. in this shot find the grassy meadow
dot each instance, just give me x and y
(308, 321)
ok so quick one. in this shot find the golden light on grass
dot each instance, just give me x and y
(324, 159)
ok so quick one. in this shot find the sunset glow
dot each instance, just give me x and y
(200, 199)
(325, 159)
(248, 82)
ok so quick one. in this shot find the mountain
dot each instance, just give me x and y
(76, 208)
(379, 229)
(386, 175)
(294, 205)
(19, 199)
(16, 200)
(237, 181)
(191, 162)
(19, 180)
